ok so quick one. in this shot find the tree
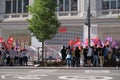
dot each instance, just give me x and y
(44, 23)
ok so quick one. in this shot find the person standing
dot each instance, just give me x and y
(20, 56)
(89, 56)
(12, 56)
(82, 57)
(0, 58)
(95, 56)
(3, 56)
(105, 55)
(7, 57)
(118, 57)
(101, 55)
(69, 57)
(25, 57)
(77, 57)
(63, 53)
(16, 57)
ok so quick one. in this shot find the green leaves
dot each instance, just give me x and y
(43, 24)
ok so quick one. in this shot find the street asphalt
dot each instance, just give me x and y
(58, 73)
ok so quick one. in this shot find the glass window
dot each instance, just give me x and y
(113, 4)
(66, 5)
(19, 6)
(74, 5)
(60, 5)
(118, 4)
(105, 5)
(14, 6)
(26, 3)
(8, 6)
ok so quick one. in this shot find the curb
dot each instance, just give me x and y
(80, 68)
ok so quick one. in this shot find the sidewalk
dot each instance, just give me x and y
(82, 68)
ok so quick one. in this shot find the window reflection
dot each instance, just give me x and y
(60, 5)
(110, 4)
(26, 2)
(66, 5)
(19, 6)
(105, 5)
(8, 6)
(16, 6)
(73, 5)
(113, 4)
(118, 4)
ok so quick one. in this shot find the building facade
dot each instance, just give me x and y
(72, 15)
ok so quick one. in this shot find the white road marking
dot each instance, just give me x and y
(2, 76)
(84, 77)
(97, 71)
(42, 71)
(25, 77)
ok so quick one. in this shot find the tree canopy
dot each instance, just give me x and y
(44, 23)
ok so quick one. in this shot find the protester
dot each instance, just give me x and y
(7, 57)
(63, 53)
(69, 57)
(77, 57)
(16, 61)
(20, 56)
(89, 56)
(82, 57)
(105, 49)
(95, 56)
(118, 57)
(0, 58)
(25, 57)
(101, 55)
(12, 56)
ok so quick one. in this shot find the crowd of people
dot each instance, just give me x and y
(97, 56)
(13, 56)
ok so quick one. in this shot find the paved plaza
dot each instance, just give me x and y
(64, 73)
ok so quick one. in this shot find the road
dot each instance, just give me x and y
(60, 74)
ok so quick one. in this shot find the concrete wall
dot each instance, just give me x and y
(2, 8)
(114, 32)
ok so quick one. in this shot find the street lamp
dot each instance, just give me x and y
(88, 23)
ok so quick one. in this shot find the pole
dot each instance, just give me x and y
(89, 23)
(38, 54)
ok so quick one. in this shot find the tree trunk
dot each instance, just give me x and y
(42, 50)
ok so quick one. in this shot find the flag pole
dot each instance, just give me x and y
(89, 23)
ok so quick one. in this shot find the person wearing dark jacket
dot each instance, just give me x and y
(63, 53)
(95, 56)
(118, 58)
(77, 57)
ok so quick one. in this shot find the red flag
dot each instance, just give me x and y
(10, 40)
(77, 42)
(1, 40)
(86, 42)
(71, 42)
(62, 29)
(96, 40)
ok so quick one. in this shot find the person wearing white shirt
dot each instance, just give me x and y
(12, 56)
(25, 58)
